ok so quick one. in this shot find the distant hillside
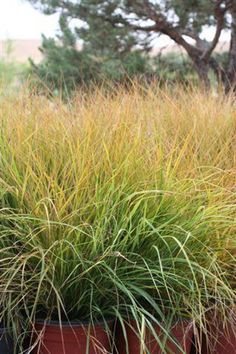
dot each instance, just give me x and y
(174, 48)
(22, 49)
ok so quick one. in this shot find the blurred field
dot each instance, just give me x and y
(23, 49)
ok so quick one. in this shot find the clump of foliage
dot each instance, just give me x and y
(64, 69)
(104, 54)
(12, 74)
(119, 204)
(174, 68)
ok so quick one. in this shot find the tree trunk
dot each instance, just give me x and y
(202, 69)
(231, 70)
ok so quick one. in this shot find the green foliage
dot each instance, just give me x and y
(107, 53)
(193, 14)
(174, 68)
(116, 205)
(7, 72)
(11, 73)
(64, 67)
(222, 59)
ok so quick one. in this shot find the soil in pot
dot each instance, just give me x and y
(73, 338)
(181, 332)
(6, 342)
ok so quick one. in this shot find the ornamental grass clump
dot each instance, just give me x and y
(118, 205)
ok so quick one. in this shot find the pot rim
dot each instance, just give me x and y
(57, 323)
(175, 322)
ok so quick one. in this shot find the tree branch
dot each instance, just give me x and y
(220, 17)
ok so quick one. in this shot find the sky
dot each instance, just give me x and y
(19, 20)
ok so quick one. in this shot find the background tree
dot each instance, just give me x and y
(116, 26)
(106, 52)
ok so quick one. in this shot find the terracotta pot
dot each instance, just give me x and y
(73, 338)
(223, 341)
(6, 342)
(181, 332)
